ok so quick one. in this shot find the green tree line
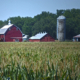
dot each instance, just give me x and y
(47, 22)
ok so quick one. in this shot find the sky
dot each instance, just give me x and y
(31, 8)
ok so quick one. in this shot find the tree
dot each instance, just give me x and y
(1, 24)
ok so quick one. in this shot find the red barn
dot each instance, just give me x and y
(41, 37)
(10, 33)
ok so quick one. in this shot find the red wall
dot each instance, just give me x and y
(1, 37)
(34, 40)
(46, 38)
(13, 32)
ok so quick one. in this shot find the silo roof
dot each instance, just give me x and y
(61, 17)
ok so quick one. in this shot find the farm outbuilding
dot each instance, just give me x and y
(41, 37)
(25, 37)
(76, 38)
(10, 33)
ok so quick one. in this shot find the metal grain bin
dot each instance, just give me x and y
(61, 20)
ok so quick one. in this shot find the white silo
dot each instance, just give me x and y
(61, 20)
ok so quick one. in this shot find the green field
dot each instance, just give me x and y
(40, 61)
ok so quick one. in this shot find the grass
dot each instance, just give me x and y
(40, 61)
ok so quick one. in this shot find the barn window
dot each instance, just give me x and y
(17, 29)
(16, 40)
(46, 35)
(9, 28)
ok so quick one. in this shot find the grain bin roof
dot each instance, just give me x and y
(38, 36)
(61, 17)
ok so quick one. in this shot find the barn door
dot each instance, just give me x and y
(16, 40)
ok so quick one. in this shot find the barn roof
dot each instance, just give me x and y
(4, 28)
(38, 36)
(2, 31)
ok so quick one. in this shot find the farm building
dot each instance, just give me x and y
(76, 38)
(25, 37)
(10, 33)
(41, 37)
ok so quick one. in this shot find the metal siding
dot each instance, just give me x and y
(61, 28)
(57, 29)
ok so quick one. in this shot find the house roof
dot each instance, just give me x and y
(77, 36)
(4, 28)
(38, 36)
